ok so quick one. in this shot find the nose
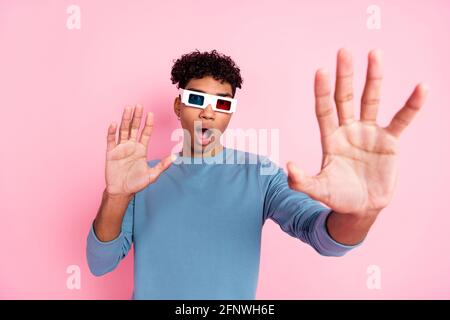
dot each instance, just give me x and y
(207, 113)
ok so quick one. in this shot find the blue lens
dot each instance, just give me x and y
(196, 99)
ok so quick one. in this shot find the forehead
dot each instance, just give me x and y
(210, 85)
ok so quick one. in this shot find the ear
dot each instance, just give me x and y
(177, 106)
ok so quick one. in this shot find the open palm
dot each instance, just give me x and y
(359, 164)
(127, 171)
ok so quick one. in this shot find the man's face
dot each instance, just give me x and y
(205, 118)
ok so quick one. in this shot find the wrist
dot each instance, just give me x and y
(117, 196)
(357, 220)
(349, 228)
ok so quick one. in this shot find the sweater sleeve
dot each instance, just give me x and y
(103, 257)
(298, 215)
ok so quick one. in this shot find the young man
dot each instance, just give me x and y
(196, 225)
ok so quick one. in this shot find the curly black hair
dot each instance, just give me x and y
(196, 65)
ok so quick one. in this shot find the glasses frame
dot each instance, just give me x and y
(207, 99)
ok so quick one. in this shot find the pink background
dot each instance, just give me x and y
(60, 88)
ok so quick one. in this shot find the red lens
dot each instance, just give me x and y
(223, 105)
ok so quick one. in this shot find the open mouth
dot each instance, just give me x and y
(204, 136)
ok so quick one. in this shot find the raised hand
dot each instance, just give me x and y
(127, 171)
(359, 164)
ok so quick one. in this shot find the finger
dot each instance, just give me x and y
(370, 100)
(147, 131)
(312, 186)
(125, 124)
(136, 122)
(406, 114)
(111, 138)
(324, 108)
(344, 87)
(159, 168)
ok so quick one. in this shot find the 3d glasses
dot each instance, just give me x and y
(202, 100)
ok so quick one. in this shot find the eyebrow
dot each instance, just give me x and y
(217, 94)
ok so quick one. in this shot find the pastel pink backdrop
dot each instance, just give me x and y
(60, 88)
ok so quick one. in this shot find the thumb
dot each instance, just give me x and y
(160, 167)
(298, 180)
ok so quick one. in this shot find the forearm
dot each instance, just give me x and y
(108, 222)
(350, 229)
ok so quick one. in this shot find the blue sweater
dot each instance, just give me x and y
(197, 229)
